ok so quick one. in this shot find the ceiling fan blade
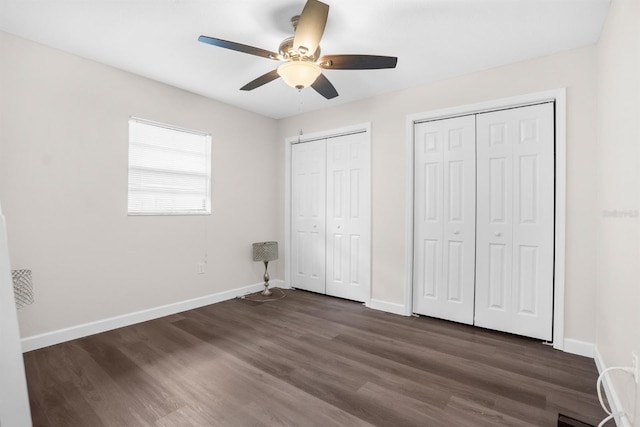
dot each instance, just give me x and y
(239, 47)
(310, 27)
(357, 62)
(262, 80)
(323, 86)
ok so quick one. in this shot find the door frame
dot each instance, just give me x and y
(288, 142)
(14, 397)
(559, 97)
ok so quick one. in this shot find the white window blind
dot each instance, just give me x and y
(169, 170)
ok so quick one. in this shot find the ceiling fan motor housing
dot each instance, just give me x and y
(287, 52)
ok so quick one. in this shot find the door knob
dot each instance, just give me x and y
(338, 227)
(498, 234)
(456, 232)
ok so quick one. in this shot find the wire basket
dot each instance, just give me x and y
(22, 287)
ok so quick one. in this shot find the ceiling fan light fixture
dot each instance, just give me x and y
(301, 54)
(299, 74)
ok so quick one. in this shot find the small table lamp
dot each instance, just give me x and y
(265, 252)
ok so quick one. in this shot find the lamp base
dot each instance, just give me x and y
(266, 291)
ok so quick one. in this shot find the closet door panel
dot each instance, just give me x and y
(494, 217)
(515, 225)
(348, 217)
(444, 240)
(308, 217)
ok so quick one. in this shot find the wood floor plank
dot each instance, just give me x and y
(306, 360)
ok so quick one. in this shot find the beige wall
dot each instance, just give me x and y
(63, 187)
(64, 117)
(618, 244)
(575, 70)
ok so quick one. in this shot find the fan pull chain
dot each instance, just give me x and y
(300, 133)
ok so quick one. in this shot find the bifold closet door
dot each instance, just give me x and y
(349, 217)
(308, 204)
(331, 216)
(515, 221)
(444, 219)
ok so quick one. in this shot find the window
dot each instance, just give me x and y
(169, 170)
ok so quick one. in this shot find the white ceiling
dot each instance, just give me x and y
(433, 40)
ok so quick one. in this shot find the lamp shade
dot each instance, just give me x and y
(265, 251)
(299, 74)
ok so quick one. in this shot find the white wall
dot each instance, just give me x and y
(575, 70)
(618, 243)
(63, 186)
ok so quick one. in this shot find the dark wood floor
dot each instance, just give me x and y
(306, 360)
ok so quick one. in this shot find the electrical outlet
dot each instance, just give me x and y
(634, 363)
(201, 268)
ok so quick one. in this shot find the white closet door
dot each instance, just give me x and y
(515, 226)
(308, 186)
(348, 217)
(444, 240)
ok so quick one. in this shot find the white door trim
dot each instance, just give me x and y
(14, 398)
(288, 142)
(559, 97)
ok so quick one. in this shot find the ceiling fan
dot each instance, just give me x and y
(300, 54)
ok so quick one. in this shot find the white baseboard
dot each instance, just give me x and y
(389, 307)
(610, 391)
(581, 348)
(279, 284)
(74, 332)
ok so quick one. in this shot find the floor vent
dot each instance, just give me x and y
(564, 421)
